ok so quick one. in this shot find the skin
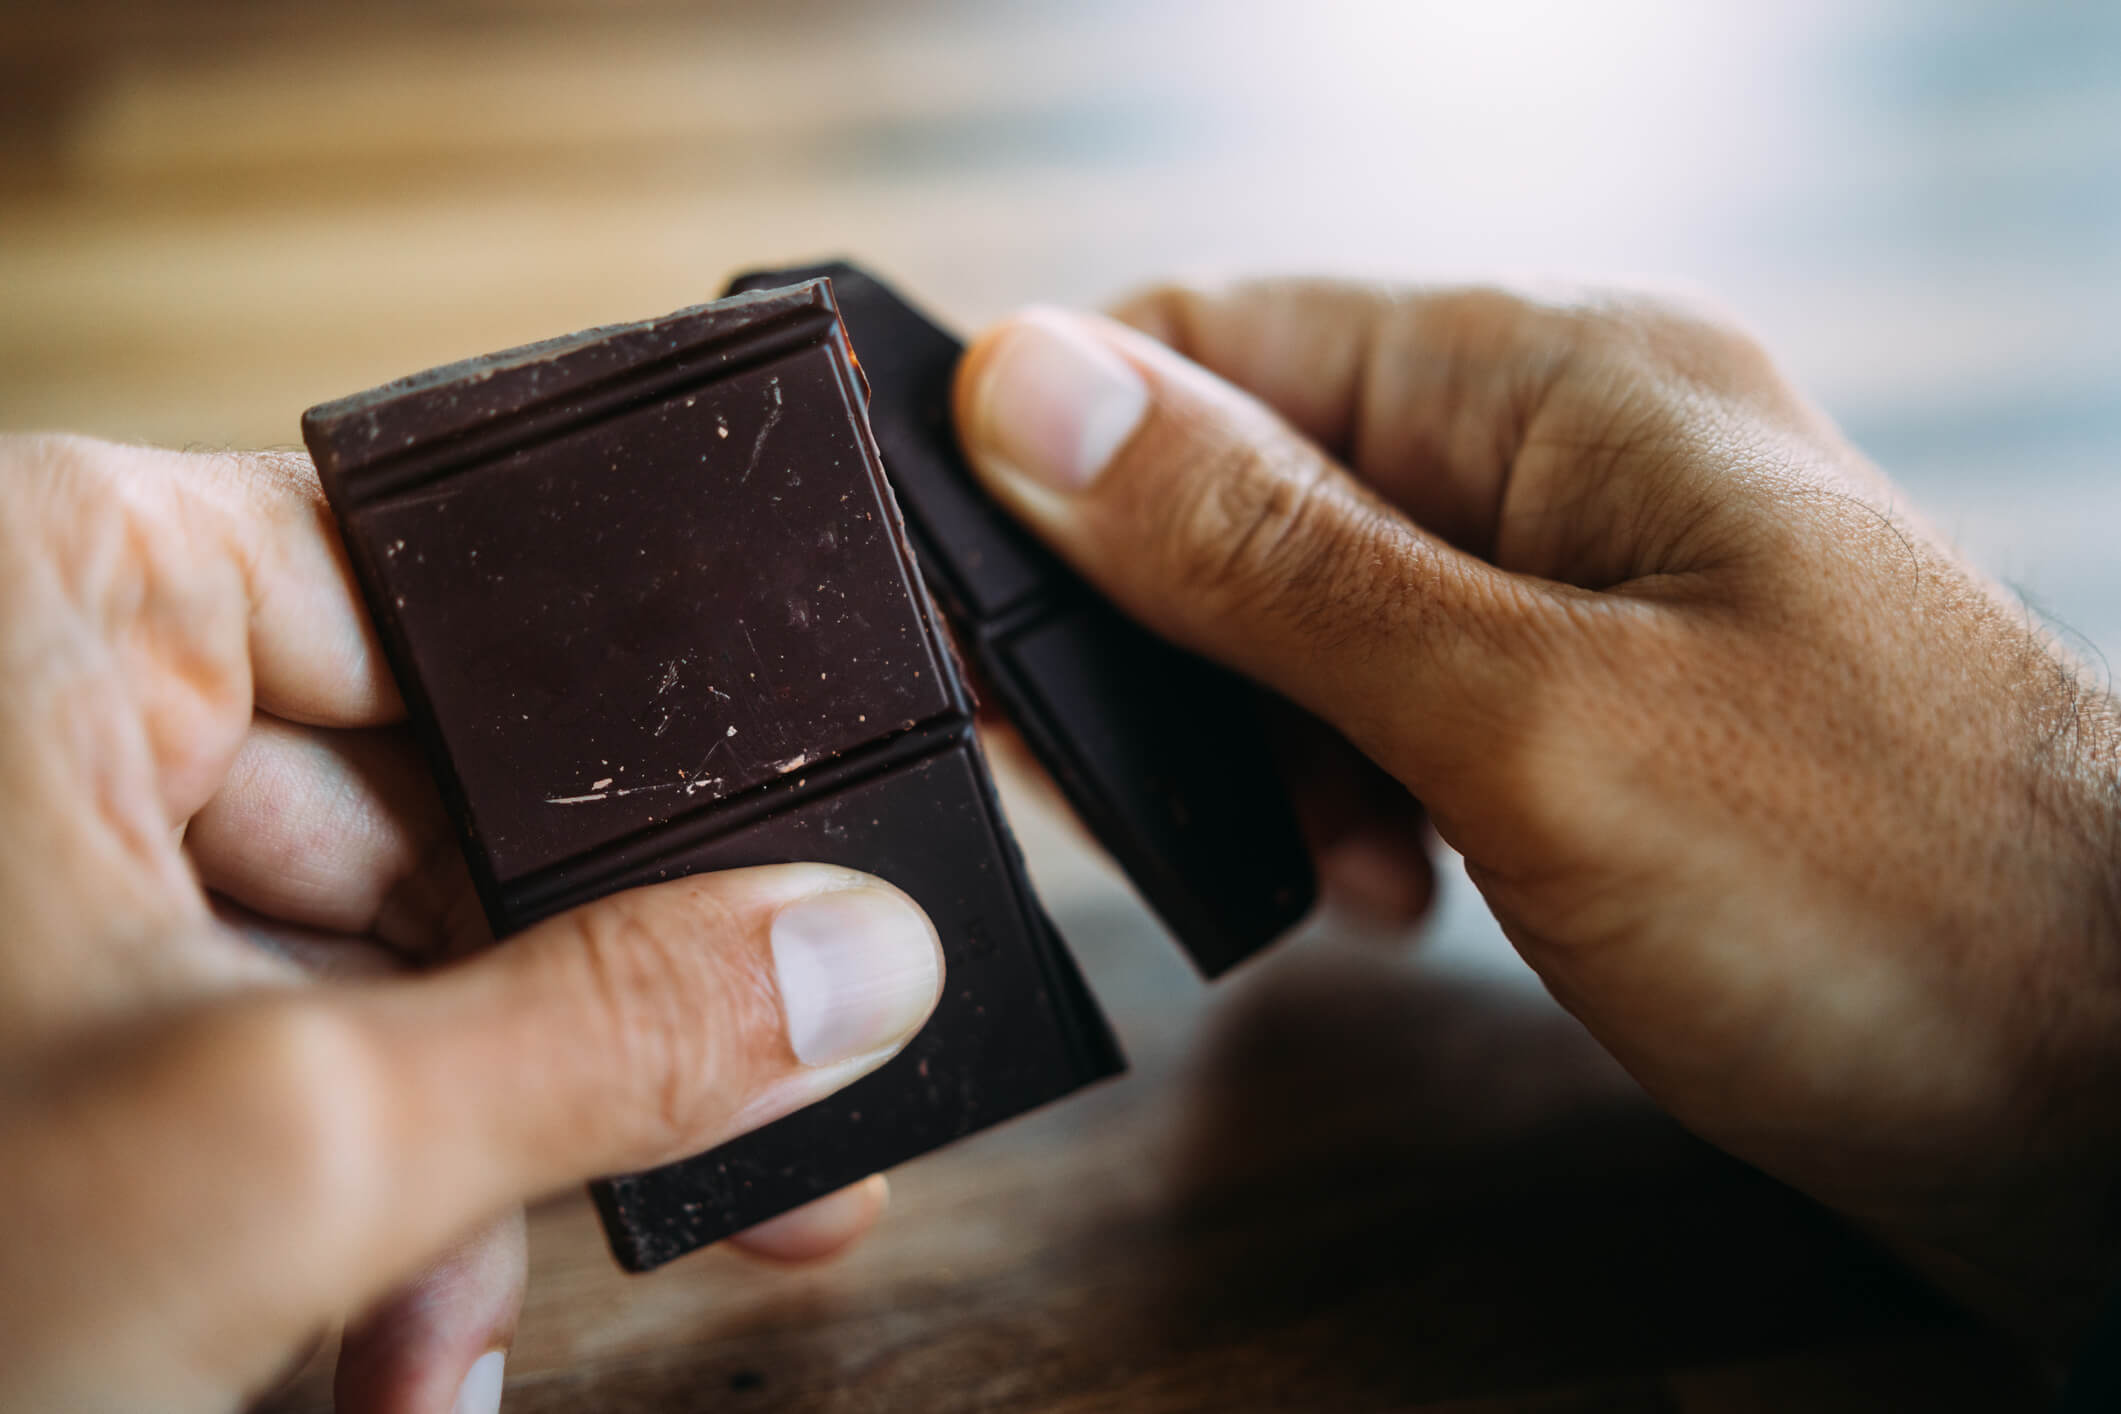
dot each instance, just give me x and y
(1811, 824)
(241, 955)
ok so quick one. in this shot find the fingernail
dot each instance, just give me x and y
(1054, 403)
(481, 1391)
(858, 970)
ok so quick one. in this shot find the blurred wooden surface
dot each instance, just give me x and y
(1358, 1176)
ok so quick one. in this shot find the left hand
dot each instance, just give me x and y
(210, 1155)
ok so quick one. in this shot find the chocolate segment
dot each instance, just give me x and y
(1158, 750)
(649, 600)
(975, 1063)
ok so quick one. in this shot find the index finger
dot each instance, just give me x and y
(1304, 347)
(314, 655)
(1424, 393)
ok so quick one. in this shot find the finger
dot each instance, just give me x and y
(1213, 521)
(1369, 836)
(340, 831)
(1021, 774)
(1380, 877)
(1558, 433)
(648, 1026)
(283, 1123)
(1424, 393)
(1303, 347)
(820, 1227)
(314, 657)
(170, 591)
(439, 1343)
(333, 956)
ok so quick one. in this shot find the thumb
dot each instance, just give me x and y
(653, 1024)
(340, 1137)
(208, 1194)
(1211, 520)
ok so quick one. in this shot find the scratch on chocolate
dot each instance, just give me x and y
(758, 443)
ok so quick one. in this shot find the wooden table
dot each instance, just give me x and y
(1351, 1181)
(1366, 1173)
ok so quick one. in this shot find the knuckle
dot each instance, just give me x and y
(1258, 535)
(98, 522)
(60, 452)
(686, 1022)
(100, 475)
(1691, 334)
(52, 476)
(1483, 317)
(1237, 520)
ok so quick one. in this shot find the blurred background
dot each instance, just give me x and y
(213, 214)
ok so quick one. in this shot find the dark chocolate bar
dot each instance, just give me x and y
(1159, 751)
(649, 600)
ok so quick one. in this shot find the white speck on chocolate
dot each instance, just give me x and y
(758, 443)
(704, 783)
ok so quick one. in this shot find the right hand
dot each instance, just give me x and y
(1805, 819)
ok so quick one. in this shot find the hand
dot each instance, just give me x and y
(1809, 823)
(209, 1155)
